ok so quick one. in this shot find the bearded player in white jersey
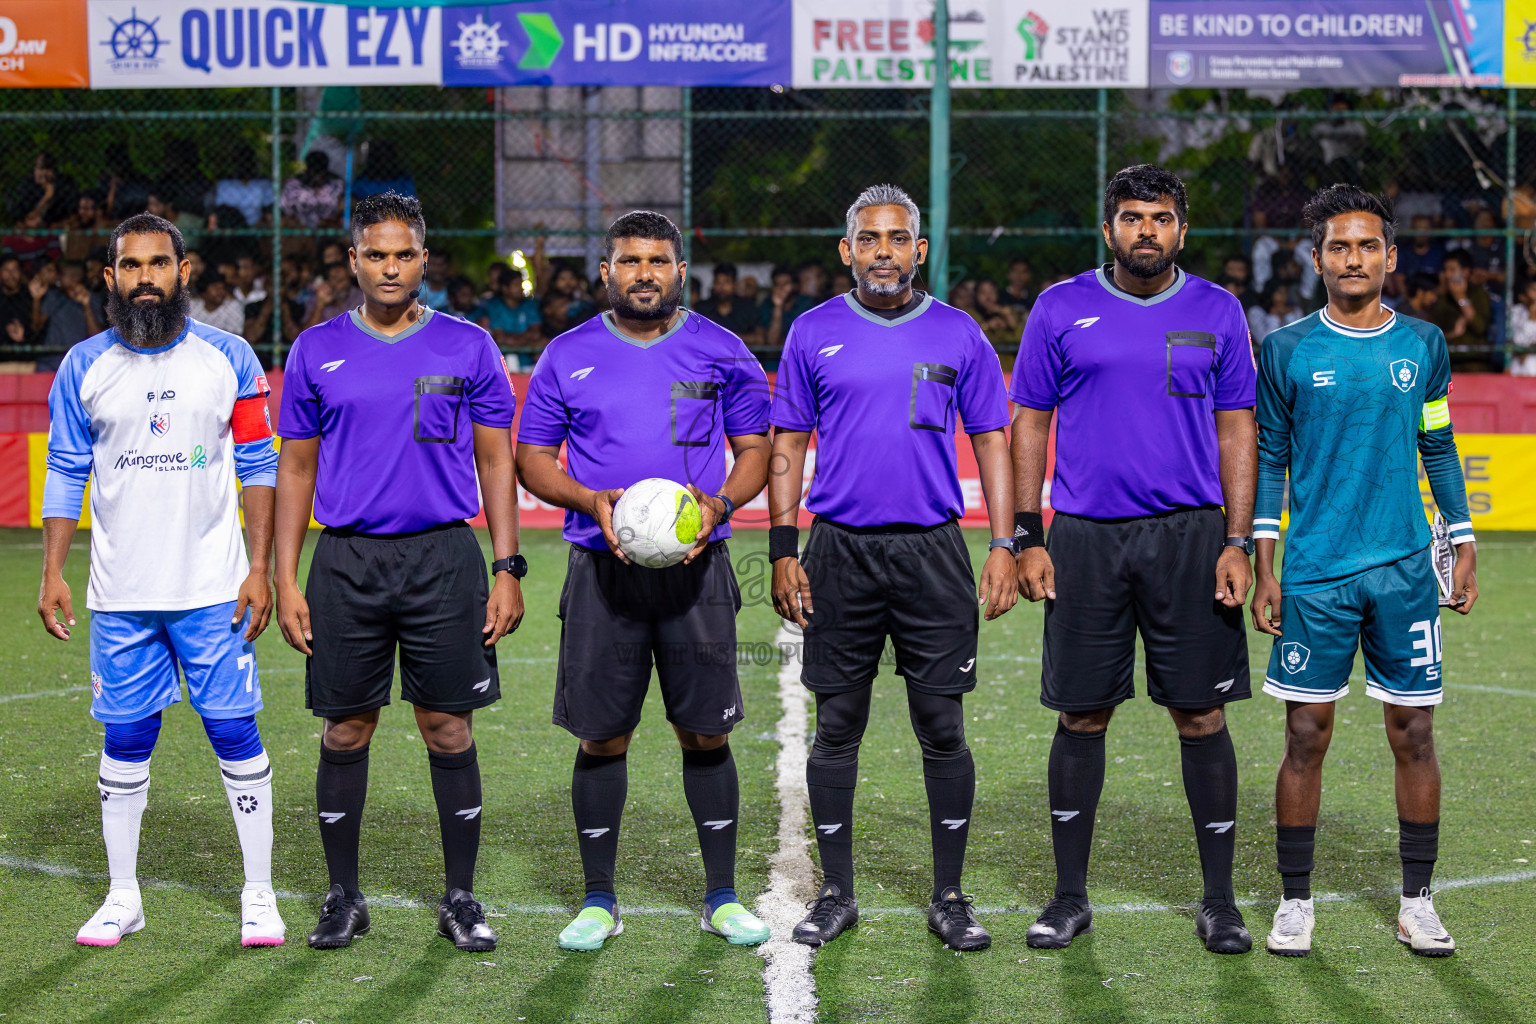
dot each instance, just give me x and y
(166, 412)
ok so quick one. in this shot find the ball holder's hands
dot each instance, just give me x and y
(711, 509)
(504, 610)
(999, 586)
(255, 596)
(1037, 575)
(1464, 579)
(293, 617)
(52, 597)
(792, 592)
(601, 510)
(1266, 604)
(1234, 575)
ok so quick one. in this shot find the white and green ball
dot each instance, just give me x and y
(657, 522)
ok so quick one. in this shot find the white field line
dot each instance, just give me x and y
(46, 693)
(788, 986)
(391, 902)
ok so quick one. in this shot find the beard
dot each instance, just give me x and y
(888, 286)
(671, 298)
(1145, 266)
(148, 324)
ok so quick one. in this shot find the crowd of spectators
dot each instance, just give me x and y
(52, 293)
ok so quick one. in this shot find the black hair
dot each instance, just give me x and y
(8, 257)
(643, 224)
(1145, 183)
(210, 277)
(1020, 261)
(1460, 256)
(781, 268)
(385, 206)
(146, 224)
(726, 269)
(1422, 281)
(1339, 199)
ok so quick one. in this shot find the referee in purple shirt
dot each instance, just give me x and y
(880, 374)
(390, 412)
(1150, 374)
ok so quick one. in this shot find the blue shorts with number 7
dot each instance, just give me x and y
(135, 656)
(1393, 612)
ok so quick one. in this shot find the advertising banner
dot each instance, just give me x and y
(1520, 42)
(1013, 44)
(179, 44)
(1346, 43)
(602, 42)
(42, 44)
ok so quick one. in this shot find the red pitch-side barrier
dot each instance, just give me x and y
(1483, 403)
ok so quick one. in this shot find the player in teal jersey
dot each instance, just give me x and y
(1348, 399)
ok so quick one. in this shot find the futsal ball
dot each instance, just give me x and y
(657, 521)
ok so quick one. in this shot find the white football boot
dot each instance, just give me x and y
(260, 923)
(121, 914)
(1291, 934)
(1419, 927)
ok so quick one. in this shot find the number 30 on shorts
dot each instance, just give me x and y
(1428, 633)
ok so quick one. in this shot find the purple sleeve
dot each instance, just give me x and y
(794, 393)
(298, 417)
(746, 395)
(1037, 370)
(492, 402)
(546, 419)
(983, 398)
(1236, 374)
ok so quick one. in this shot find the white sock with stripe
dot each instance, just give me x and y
(248, 784)
(124, 787)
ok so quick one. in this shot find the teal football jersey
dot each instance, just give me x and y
(1348, 412)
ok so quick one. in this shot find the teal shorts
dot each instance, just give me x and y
(1393, 612)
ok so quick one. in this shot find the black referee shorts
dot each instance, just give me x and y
(1154, 575)
(912, 584)
(424, 591)
(617, 620)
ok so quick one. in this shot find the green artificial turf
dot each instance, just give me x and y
(1141, 964)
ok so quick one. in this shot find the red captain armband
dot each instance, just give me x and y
(251, 421)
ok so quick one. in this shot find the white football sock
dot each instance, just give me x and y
(248, 784)
(124, 787)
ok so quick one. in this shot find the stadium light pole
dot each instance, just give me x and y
(938, 156)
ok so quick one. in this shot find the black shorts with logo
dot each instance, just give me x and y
(912, 584)
(1155, 575)
(617, 620)
(424, 591)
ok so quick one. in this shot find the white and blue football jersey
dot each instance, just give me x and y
(162, 435)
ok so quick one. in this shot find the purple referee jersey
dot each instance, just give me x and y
(1136, 383)
(882, 396)
(395, 418)
(629, 409)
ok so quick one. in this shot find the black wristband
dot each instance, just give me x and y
(783, 542)
(1028, 530)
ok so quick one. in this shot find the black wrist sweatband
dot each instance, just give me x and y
(1028, 530)
(783, 542)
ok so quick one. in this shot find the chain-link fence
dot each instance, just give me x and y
(527, 179)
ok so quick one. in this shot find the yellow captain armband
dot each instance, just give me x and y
(1435, 415)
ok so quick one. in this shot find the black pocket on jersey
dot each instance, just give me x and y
(1191, 358)
(694, 407)
(437, 409)
(933, 397)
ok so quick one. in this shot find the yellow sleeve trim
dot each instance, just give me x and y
(1436, 415)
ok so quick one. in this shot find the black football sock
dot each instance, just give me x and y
(1418, 844)
(831, 774)
(341, 788)
(1210, 786)
(1075, 780)
(1294, 848)
(949, 776)
(456, 787)
(709, 782)
(599, 787)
